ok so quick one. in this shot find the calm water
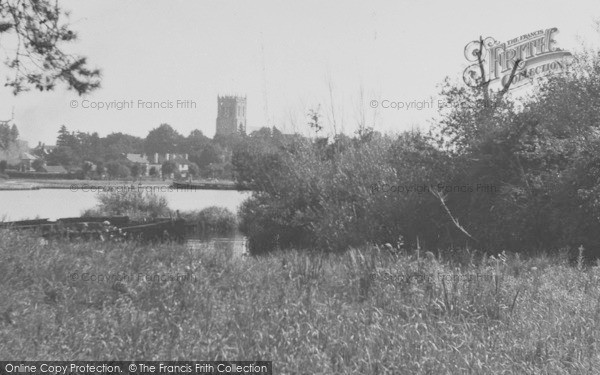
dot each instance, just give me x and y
(57, 203)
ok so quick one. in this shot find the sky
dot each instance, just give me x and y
(343, 57)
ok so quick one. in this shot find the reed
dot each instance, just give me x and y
(359, 312)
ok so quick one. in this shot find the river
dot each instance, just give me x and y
(56, 203)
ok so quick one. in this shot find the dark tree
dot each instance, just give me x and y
(100, 168)
(38, 30)
(135, 170)
(63, 155)
(163, 139)
(8, 136)
(14, 132)
(168, 167)
(212, 153)
(65, 139)
(117, 144)
(38, 165)
(117, 170)
(194, 170)
(195, 142)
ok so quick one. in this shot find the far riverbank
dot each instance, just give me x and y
(37, 184)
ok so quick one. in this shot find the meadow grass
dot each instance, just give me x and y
(361, 312)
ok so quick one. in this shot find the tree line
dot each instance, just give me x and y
(502, 174)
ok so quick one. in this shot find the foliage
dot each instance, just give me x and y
(214, 219)
(73, 148)
(194, 170)
(194, 143)
(163, 139)
(300, 199)
(135, 170)
(100, 169)
(117, 144)
(211, 153)
(491, 175)
(116, 169)
(38, 31)
(63, 155)
(8, 135)
(133, 203)
(168, 167)
(38, 165)
(540, 159)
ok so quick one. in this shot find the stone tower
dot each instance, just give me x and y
(231, 116)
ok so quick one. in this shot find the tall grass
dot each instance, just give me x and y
(362, 312)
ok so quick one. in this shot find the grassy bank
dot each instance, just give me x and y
(363, 312)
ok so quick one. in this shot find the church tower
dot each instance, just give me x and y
(231, 115)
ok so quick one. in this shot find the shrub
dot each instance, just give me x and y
(168, 167)
(117, 170)
(132, 203)
(314, 194)
(216, 220)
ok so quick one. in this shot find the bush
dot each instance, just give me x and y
(132, 203)
(117, 170)
(213, 220)
(38, 165)
(319, 195)
(168, 167)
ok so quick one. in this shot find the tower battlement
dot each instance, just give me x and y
(231, 114)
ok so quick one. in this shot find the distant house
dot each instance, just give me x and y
(182, 163)
(26, 162)
(141, 160)
(156, 160)
(42, 149)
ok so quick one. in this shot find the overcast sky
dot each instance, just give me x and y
(285, 56)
